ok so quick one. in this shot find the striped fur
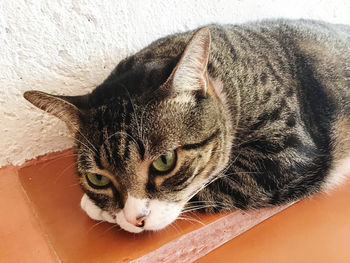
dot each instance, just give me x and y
(259, 118)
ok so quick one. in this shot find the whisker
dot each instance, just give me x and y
(194, 214)
(110, 228)
(74, 185)
(92, 151)
(87, 147)
(63, 171)
(175, 226)
(56, 159)
(191, 220)
(204, 205)
(94, 225)
(202, 201)
(201, 207)
(220, 175)
(96, 151)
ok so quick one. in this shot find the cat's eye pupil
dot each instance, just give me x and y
(165, 162)
(99, 177)
(164, 159)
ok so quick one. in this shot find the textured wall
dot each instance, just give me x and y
(68, 47)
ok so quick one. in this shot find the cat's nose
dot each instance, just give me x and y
(136, 211)
(140, 220)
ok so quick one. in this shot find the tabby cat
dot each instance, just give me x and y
(225, 117)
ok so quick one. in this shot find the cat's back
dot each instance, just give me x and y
(239, 53)
(281, 37)
(253, 34)
(233, 42)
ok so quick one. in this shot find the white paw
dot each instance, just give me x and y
(108, 217)
(90, 208)
(94, 212)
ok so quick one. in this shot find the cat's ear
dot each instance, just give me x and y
(190, 73)
(65, 108)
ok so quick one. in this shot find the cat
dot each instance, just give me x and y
(220, 118)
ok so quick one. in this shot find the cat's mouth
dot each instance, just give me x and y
(161, 214)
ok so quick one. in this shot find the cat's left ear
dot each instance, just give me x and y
(190, 73)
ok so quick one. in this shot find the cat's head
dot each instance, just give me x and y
(142, 156)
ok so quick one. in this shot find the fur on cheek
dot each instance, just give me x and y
(162, 214)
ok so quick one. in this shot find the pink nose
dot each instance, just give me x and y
(139, 221)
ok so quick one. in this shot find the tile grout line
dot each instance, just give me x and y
(36, 216)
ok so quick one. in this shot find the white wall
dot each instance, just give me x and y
(68, 47)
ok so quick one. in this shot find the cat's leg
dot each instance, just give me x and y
(94, 212)
(210, 200)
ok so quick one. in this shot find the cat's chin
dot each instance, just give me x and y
(164, 213)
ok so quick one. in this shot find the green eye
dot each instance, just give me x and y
(165, 162)
(97, 180)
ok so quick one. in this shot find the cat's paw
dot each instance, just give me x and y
(94, 212)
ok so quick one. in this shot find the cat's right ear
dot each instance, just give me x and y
(190, 73)
(65, 108)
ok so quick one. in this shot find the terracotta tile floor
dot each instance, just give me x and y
(313, 230)
(54, 193)
(45, 224)
(19, 229)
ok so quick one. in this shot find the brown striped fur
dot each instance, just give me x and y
(266, 124)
